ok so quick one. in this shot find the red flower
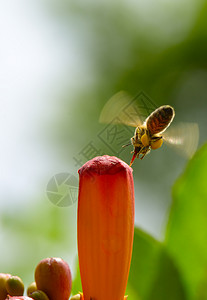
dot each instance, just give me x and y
(18, 298)
(105, 227)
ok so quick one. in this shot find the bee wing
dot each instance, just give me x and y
(183, 137)
(120, 109)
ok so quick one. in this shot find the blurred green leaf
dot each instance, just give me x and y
(186, 236)
(33, 232)
(153, 274)
(76, 286)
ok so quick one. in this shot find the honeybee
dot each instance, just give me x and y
(150, 133)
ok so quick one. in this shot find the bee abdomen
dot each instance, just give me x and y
(160, 119)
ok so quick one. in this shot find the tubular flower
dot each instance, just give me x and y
(105, 227)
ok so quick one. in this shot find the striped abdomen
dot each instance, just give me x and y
(160, 119)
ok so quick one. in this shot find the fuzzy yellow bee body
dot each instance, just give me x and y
(149, 135)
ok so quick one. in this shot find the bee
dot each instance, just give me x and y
(150, 133)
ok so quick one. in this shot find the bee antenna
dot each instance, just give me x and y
(126, 145)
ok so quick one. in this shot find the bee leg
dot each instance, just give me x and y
(156, 138)
(145, 150)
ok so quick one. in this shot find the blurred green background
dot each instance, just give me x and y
(60, 62)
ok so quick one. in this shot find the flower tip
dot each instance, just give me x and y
(105, 165)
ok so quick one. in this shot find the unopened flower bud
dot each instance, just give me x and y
(3, 290)
(105, 227)
(31, 288)
(53, 276)
(18, 298)
(15, 286)
(39, 295)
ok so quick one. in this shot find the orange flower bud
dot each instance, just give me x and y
(105, 227)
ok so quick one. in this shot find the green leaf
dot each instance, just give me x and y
(76, 286)
(153, 274)
(186, 236)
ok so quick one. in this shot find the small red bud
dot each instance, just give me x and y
(18, 298)
(53, 276)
